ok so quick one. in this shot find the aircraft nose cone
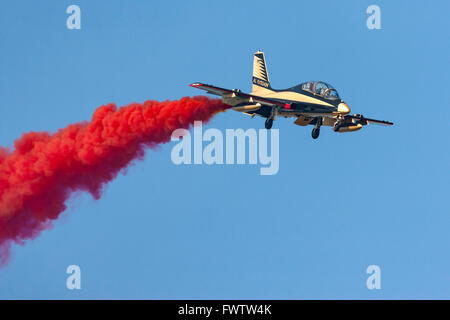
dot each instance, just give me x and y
(343, 108)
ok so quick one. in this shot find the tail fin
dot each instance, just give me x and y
(260, 78)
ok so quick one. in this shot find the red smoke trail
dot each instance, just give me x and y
(37, 177)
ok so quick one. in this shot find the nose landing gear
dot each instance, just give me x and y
(338, 125)
(316, 131)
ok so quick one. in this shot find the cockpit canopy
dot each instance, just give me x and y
(320, 88)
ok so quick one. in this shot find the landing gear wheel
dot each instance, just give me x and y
(337, 126)
(315, 133)
(269, 123)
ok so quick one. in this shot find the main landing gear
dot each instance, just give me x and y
(316, 131)
(270, 118)
(269, 123)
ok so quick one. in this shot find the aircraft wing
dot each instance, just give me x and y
(221, 91)
(368, 120)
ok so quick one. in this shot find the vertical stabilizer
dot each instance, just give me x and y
(260, 80)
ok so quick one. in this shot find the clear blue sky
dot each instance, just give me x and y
(338, 204)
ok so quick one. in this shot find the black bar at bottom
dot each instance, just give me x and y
(220, 309)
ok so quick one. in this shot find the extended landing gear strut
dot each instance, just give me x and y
(269, 120)
(269, 123)
(337, 125)
(316, 131)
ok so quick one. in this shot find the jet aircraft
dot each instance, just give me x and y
(313, 103)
